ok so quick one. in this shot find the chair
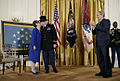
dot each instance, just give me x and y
(9, 56)
(25, 56)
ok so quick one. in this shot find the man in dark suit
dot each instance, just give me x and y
(101, 30)
(49, 42)
(115, 43)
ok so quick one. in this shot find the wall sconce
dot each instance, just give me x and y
(16, 19)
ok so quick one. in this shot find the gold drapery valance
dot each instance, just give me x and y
(78, 55)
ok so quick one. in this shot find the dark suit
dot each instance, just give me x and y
(115, 37)
(48, 36)
(102, 40)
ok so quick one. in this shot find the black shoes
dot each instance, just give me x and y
(47, 72)
(55, 71)
(107, 76)
(99, 74)
(103, 75)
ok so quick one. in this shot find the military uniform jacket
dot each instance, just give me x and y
(48, 37)
(114, 36)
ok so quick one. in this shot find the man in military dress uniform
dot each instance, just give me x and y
(115, 43)
(49, 42)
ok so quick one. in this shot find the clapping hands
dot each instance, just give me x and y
(92, 23)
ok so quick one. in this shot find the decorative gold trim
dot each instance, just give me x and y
(18, 25)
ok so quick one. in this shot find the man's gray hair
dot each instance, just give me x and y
(102, 13)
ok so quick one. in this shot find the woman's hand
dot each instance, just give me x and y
(34, 48)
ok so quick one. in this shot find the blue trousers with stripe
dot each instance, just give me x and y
(46, 55)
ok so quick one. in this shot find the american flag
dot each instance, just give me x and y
(56, 23)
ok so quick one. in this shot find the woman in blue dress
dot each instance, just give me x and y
(35, 46)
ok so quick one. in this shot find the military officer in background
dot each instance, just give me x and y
(49, 42)
(115, 43)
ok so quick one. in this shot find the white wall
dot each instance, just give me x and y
(112, 11)
(26, 10)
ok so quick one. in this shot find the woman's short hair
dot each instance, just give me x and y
(34, 23)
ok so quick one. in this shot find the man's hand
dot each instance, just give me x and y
(92, 23)
(113, 40)
(54, 45)
(116, 42)
(34, 48)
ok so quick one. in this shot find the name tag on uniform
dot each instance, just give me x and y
(119, 31)
(48, 28)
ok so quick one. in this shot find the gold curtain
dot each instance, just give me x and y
(77, 55)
